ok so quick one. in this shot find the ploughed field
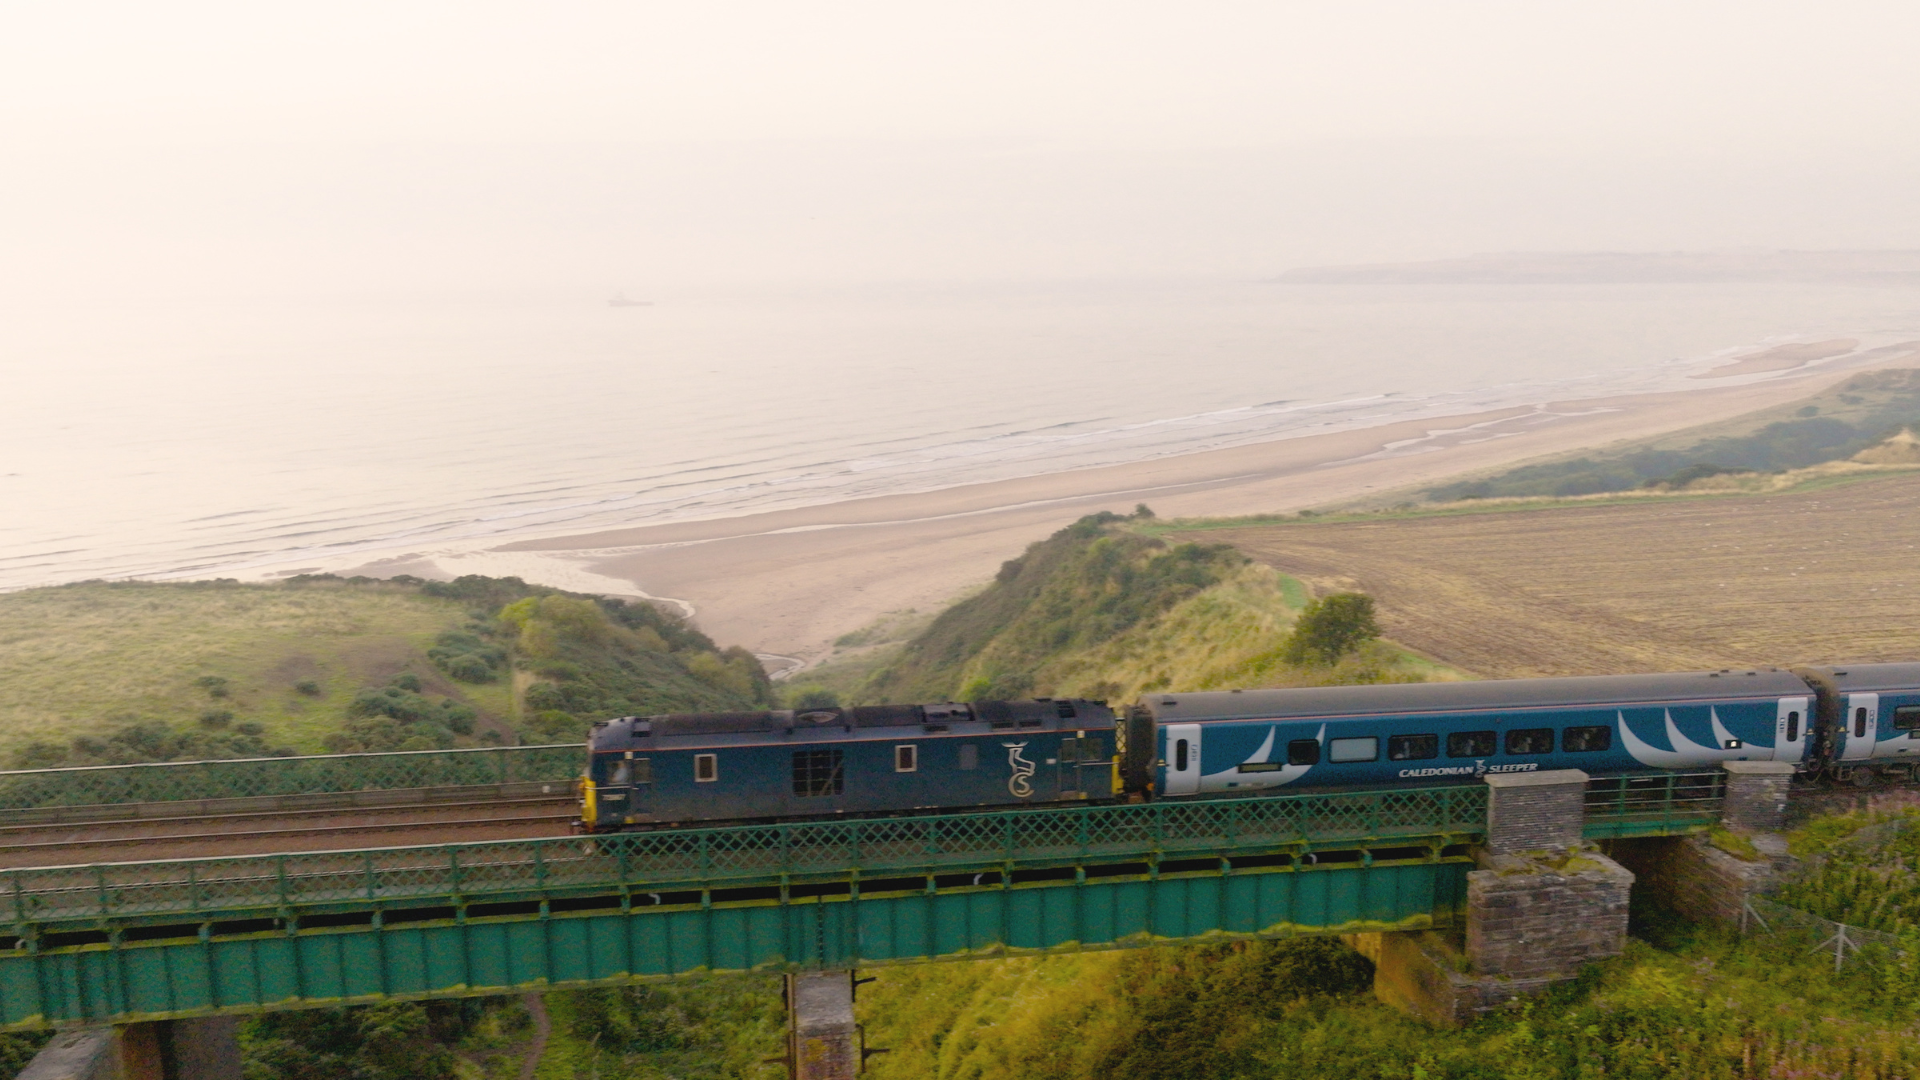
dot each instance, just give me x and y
(1661, 585)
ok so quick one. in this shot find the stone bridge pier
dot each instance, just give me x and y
(1543, 902)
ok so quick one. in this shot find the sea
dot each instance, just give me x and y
(263, 435)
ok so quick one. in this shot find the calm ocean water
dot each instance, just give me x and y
(240, 437)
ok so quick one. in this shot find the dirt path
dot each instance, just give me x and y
(1820, 576)
(542, 1029)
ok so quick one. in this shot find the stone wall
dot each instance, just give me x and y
(1544, 916)
(1688, 875)
(1756, 795)
(1538, 811)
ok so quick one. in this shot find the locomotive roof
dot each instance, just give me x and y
(1462, 696)
(1850, 677)
(838, 724)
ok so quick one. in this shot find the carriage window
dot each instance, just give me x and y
(706, 768)
(1412, 747)
(1793, 726)
(1470, 744)
(818, 773)
(1537, 740)
(1907, 718)
(906, 758)
(1260, 766)
(1581, 740)
(1303, 752)
(1362, 749)
(1180, 756)
(969, 757)
(1860, 722)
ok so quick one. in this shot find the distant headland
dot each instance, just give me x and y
(1626, 267)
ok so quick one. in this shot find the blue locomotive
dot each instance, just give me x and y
(1849, 724)
(876, 759)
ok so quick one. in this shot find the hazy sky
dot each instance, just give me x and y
(207, 146)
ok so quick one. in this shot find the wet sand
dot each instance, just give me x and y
(788, 582)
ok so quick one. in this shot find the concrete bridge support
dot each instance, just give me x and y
(203, 1048)
(823, 1043)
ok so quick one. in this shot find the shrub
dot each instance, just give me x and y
(216, 718)
(1330, 627)
(814, 697)
(307, 687)
(214, 685)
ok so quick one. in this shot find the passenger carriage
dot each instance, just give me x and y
(1254, 740)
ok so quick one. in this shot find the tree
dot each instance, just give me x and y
(1330, 627)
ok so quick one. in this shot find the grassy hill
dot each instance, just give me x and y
(128, 671)
(1853, 418)
(1103, 610)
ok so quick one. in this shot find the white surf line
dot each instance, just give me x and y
(612, 552)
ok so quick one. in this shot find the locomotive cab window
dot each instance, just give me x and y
(1530, 741)
(1470, 744)
(622, 774)
(1412, 747)
(1907, 718)
(1365, 748)
(706, 768)
(819, 773)
(1582, 740)
(1303, 752)
(906, 758)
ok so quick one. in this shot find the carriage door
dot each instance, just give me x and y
(1183, 759)
(1790, 729)
(1861, 722)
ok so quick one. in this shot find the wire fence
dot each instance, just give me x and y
(1762, 916)
(239, 778)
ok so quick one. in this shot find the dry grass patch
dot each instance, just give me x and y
(1826, 574)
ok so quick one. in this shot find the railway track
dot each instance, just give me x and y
(260, 832)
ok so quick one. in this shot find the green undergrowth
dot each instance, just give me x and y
(1860, 868)
(718, 1028)
(1836, 424)
(1302, 1010)
(1104, 610)
(121, 672)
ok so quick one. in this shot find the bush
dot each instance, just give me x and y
(216, 718)
(466, 657)
(214, 685)
(813, 697)
(307, 687)
(1330, 627)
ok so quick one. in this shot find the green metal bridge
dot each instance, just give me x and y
(124, 942)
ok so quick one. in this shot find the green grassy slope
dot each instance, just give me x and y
(1103, 610)
(1834, 425)
(77, 659)
(318, 664)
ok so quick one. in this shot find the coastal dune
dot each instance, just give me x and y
(789, 582)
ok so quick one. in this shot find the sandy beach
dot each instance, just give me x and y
(787, 583)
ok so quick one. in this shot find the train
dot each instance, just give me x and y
(1856, 724)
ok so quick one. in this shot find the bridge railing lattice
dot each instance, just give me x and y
(739, 856)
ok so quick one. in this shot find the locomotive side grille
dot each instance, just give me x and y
(818, 773)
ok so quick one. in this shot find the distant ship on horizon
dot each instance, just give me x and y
(620, 300)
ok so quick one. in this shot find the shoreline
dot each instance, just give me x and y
(788, 582)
